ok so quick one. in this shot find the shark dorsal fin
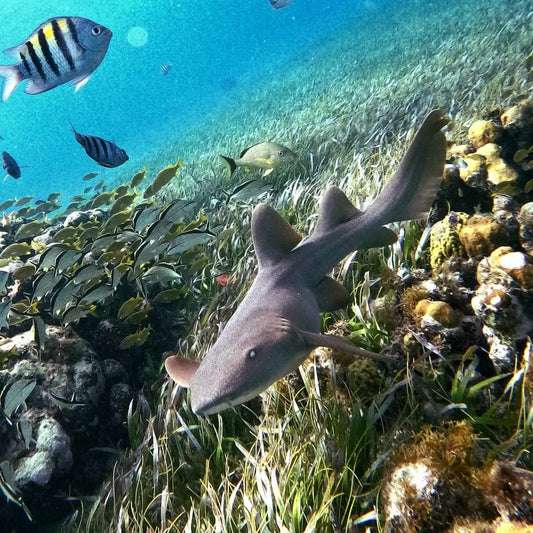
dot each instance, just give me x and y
(330, 295)
(181, 369)
(273, 236)
(335, 209)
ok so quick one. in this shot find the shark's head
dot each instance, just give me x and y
(240, 366)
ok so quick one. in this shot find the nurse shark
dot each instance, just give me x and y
(277, 324)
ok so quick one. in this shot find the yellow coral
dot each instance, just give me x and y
(481, 235)
(498, 171)
(482, 132)
(444, 239)
(440, 312)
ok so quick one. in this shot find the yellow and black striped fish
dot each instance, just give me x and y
(61, 49)
(105, 153)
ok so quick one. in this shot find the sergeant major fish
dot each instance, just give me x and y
(105, 153)
(61, 49)
(10, 166)
(265, 155)
(278, 4)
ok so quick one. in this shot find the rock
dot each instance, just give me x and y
(88, 381)
(120, 397)
(431, 482)
(525, 220)
(37, 469)
(481, 235)
(114, 372)
(497, 308)
(69, 368)
(502, 355)
(52, 439)
(482, 132)
(413, 486)
(510, 489)
(80, 217)
(516, 264)
(518, 122)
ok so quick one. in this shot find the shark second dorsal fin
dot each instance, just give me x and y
(273, 236)
(330, 295)
(335, 209)
(181, 369)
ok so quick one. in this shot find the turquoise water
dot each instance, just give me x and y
(217, 50)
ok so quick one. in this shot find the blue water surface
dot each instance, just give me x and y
(217, 50)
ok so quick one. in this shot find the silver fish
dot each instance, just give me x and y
(10, 166)
(265, 155)
(105, 153)
(278, 4)
(61, 49)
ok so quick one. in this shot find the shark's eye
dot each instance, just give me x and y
(252, 354)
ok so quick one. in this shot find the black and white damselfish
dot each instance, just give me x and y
(60, 50)
(105, 153)
(10, 166)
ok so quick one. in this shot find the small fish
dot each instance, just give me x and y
(163, 177)
(89, 176)
(278, 4)
(135, 339)
(265, 155)
(165, 68)
(10, 166)
(7, 204)
(105, 153)
(24, 200)
(60, 50)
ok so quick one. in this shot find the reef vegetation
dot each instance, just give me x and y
(98, 289)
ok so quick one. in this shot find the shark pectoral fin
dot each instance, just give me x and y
(181, 369)
(330, 295)
(338, 343)
(273, 236)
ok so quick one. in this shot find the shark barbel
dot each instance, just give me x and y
(278, 323)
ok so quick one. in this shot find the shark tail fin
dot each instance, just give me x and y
(273, 236)
(412, 189)
(230, 163)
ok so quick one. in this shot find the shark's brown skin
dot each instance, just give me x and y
(278, 322)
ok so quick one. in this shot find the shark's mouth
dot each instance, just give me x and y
(220, 404)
